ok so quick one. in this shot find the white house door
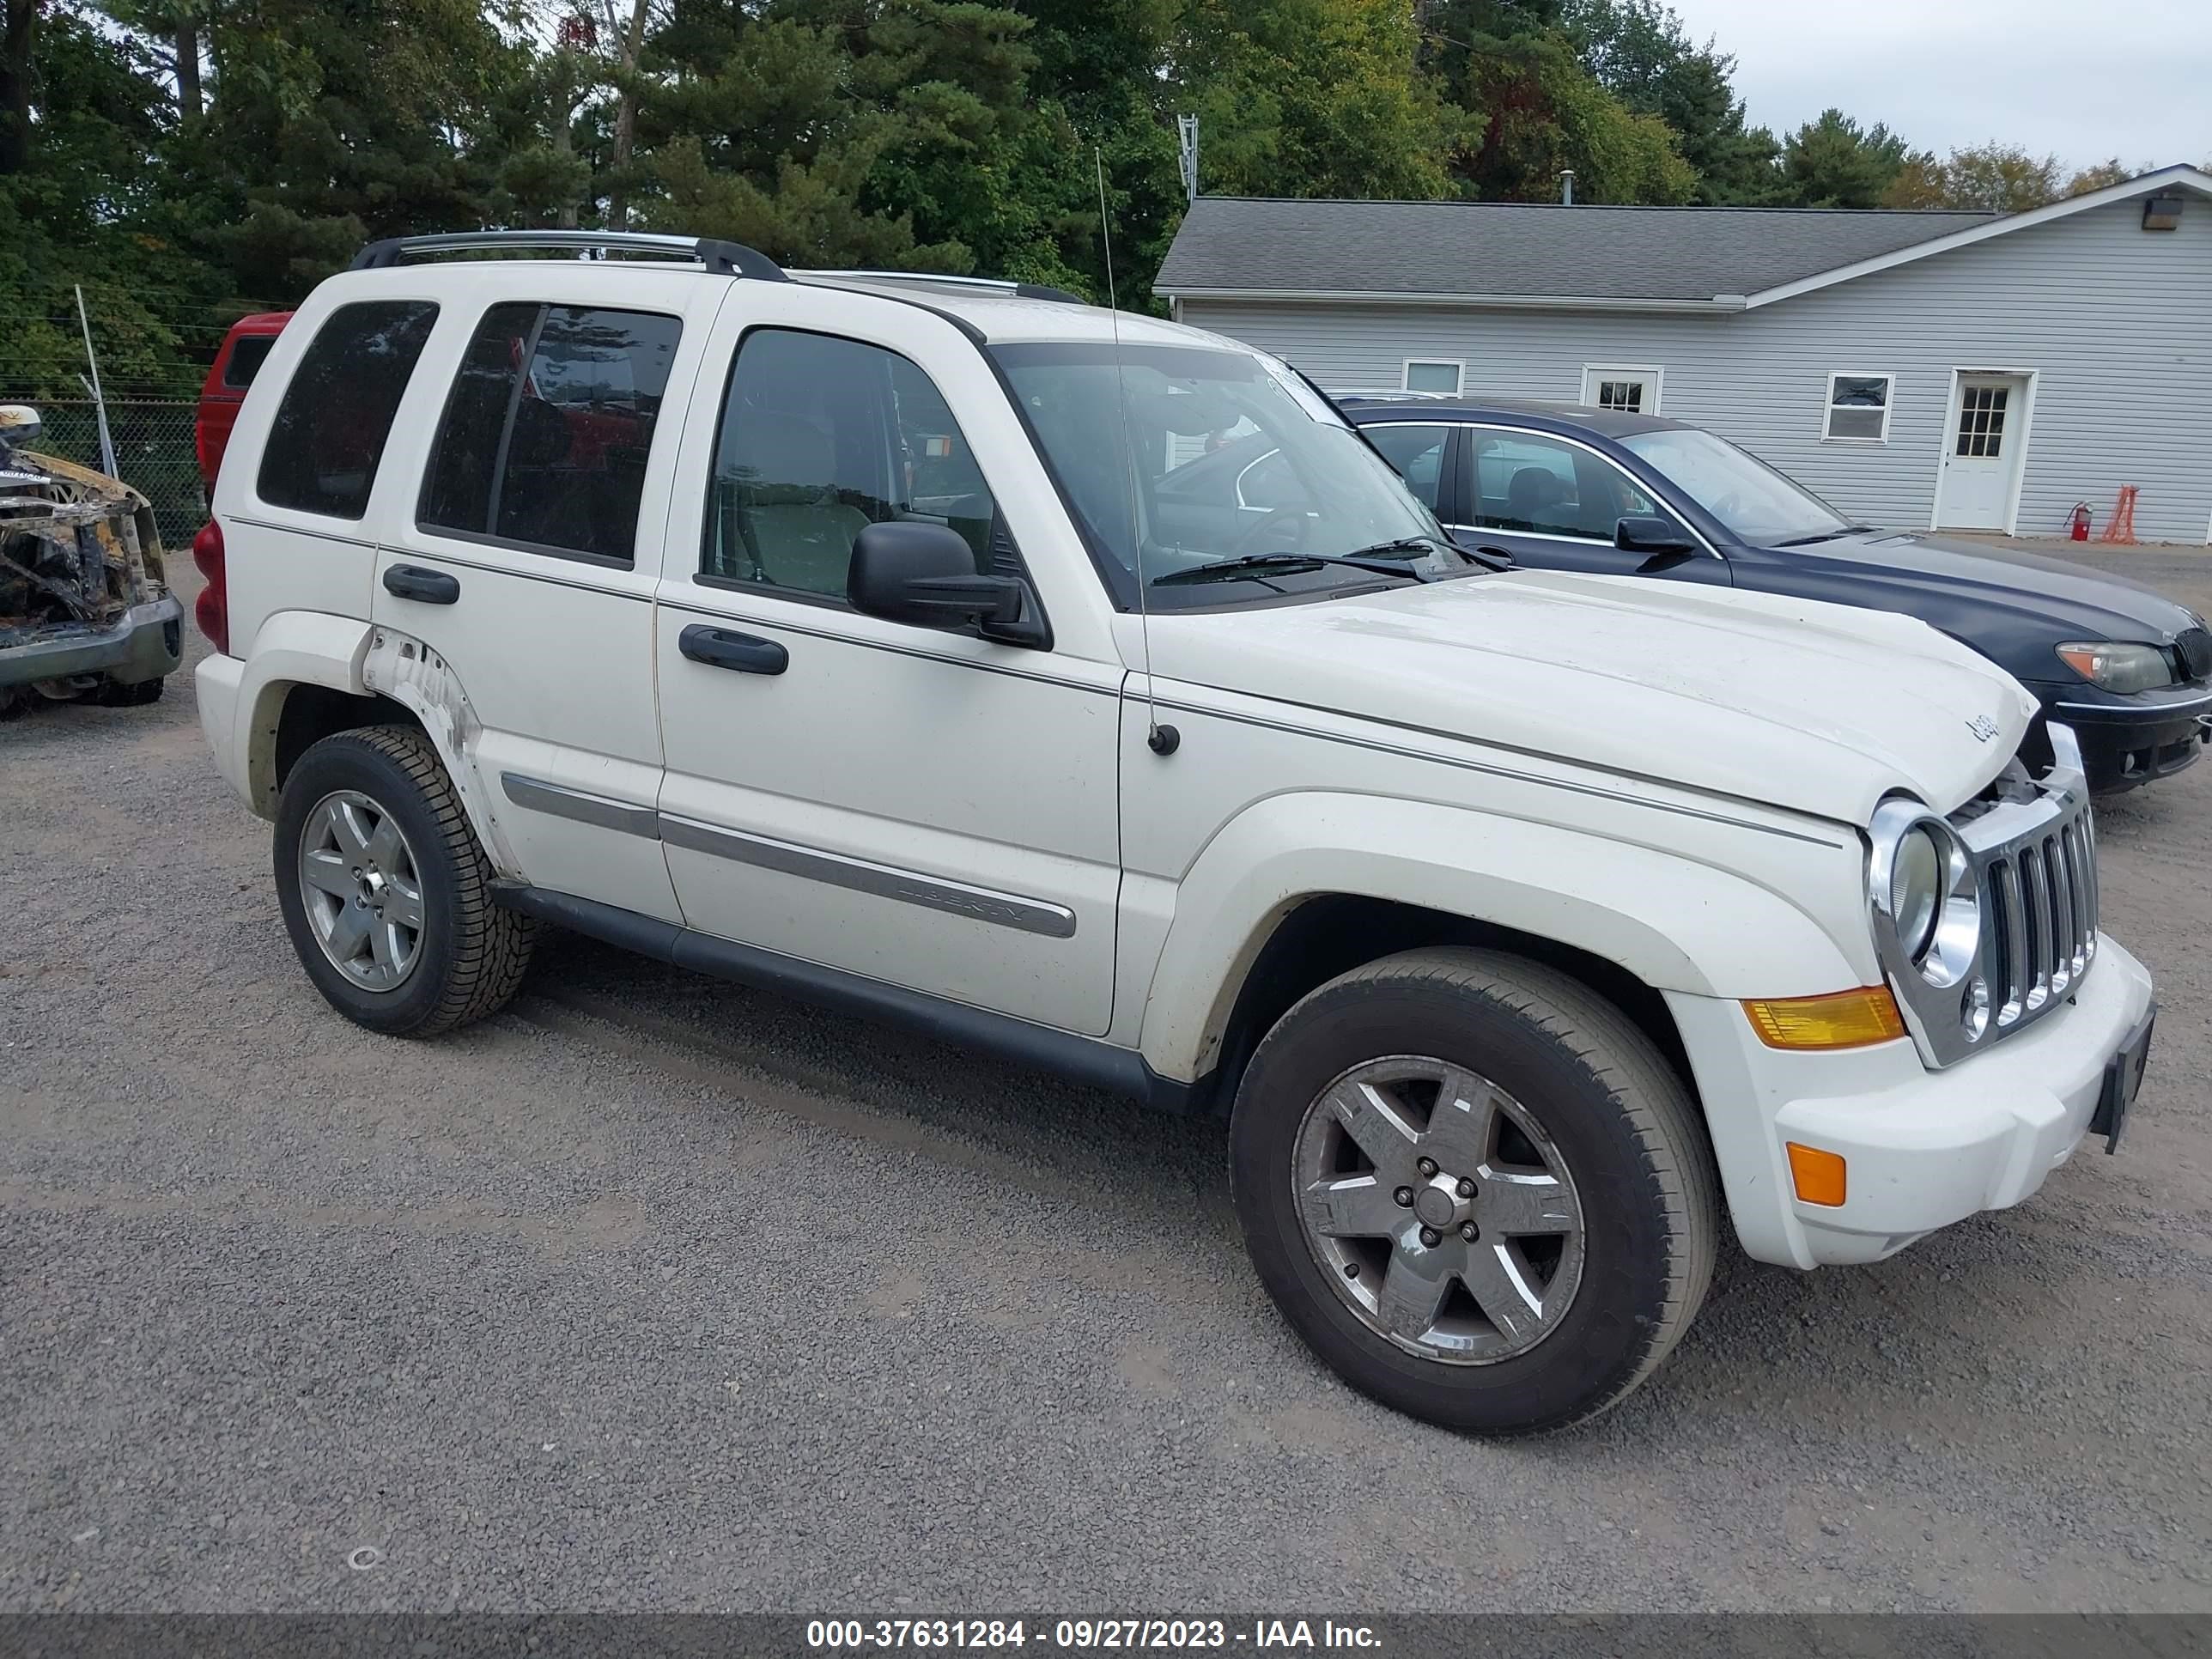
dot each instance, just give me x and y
(1982, 453)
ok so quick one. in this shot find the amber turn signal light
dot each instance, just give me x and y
(1818, 1176)
(1842, 1019)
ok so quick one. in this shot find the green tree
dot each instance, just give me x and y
(1314, 98)
(1638, 51)
(1515, 65)
(1833, 162)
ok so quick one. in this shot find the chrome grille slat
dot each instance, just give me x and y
(2031, 881)
(2062, 914)
(2011, 992)
(2077, 884)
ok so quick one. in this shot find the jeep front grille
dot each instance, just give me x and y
(2040, 931)
(2029, 849)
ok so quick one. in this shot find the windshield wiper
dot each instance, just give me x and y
(1290, 564)
(1823, 536)
(1410, 544)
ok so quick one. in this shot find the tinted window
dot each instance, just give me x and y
(247, 353)
(820, 438)
(549, 426)
(330, 430)
(1525, 481)
(1418, 452)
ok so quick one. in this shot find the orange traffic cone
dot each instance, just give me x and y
(2122, 526)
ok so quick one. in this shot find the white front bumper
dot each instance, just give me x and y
(1922, 1149)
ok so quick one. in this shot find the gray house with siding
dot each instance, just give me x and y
(1945, 370)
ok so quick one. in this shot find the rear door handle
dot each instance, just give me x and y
(410, 582)
(721, 648)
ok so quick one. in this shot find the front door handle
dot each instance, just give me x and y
(410, 582)
(722, 647)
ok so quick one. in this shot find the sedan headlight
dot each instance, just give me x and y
(2116, 668)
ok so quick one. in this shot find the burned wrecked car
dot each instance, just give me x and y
(85, 612)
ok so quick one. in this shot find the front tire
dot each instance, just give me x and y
(1476, 1190)
(386, 892)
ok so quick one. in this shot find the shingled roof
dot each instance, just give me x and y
(1468, 252)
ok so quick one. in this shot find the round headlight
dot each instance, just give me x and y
(1916, 888)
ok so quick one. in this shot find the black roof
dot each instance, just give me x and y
(1609, 423)
(1470, 249)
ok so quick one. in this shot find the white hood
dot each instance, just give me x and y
(1820, 709)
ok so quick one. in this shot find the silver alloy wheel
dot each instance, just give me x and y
(360, 890)
(1439, 1210)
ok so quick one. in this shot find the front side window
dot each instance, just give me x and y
(821, 437)
(331, 428)
(1544, 486)
(548, 428)
(1173, 458)
(1418, 452)
(1858, 407)
(1760, 505)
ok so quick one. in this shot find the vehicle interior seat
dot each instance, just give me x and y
(1533, 497)
(796, 529)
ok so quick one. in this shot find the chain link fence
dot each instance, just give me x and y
(154, 454)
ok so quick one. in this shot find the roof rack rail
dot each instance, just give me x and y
(939, 279)
(720, 258)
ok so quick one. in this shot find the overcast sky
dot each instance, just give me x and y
(2126, 77)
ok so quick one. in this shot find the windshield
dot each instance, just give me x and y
(1759, 506)
(1231, 457)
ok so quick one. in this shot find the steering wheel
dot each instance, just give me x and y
(1249, 542)
(1725, 509)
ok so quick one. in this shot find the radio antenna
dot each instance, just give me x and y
(1160, 739)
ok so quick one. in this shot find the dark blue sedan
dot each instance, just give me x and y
(1560, 488)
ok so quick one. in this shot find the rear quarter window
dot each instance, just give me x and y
(330, 428)
(247, 353)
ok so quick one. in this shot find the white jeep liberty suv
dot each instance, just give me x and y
(788, 627)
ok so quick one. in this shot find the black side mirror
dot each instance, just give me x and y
(908, 571)
(1648, 532)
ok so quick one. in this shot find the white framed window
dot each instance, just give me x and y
(1433, 375)
(1858, 406)
(1632, 390)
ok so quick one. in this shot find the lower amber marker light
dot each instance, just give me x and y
(1842, 1019)
(1817, 1175)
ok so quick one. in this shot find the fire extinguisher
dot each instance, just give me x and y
(2078, 522)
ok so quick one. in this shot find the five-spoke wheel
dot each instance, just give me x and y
(1447, 1220)
(1475, 1188)
(360, 890)
(385, 889)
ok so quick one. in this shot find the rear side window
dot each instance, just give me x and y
(247, 353)
(331, 428)
(547, 431)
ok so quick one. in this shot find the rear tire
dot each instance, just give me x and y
(386, 891)
(1517, 1265)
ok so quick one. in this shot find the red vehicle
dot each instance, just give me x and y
(245, 348)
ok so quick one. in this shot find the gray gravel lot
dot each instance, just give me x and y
(653, 1292)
